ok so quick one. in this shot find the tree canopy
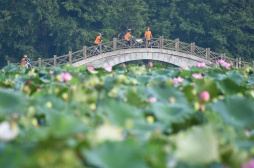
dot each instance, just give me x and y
(52, 27)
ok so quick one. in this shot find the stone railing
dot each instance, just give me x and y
(116, 44)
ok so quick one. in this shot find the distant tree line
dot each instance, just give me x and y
(54, 27)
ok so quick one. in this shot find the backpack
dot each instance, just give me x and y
(124, 36)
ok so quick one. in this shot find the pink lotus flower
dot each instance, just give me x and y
(175, 80)
(152, 99)
(226, 65)
(197, 76)
(65, 77)
(205, 96)
(178, 80)
(201, 64)
(123, 65)
(150, 64)
(108, 68)
(51, 71)
(249, 165)
(90, 68)
(221, 61)
(180, 69)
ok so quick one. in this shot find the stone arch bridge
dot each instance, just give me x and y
(118, 51)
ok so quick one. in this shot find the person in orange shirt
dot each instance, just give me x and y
(97, 41)
(23, 60)
(148, 35)
(127, 36)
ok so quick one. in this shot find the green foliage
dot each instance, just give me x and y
(130, 117)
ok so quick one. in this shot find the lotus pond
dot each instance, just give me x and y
(128, 116)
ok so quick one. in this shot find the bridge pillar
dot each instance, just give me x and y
(55, 60)
(39, 62)
(192, 48)
(70, 56)
(236, 62)
(222, 56)
(130, 42)
(84, 52)
(161, 41)
(177, 42)
(100, 48)
(207, 50)
(114, 44)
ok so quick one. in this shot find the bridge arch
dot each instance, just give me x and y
(121, 56)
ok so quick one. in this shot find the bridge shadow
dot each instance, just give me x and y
(146, 61)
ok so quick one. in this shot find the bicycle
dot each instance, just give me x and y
(95, 51)
(153, 43)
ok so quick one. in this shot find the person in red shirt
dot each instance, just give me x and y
(148, 35)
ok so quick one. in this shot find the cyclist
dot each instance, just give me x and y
(148, 35)
(97, 41)
(23, 60)
(127, 36)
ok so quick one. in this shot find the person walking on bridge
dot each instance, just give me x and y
(97, 41)
(148, 35)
